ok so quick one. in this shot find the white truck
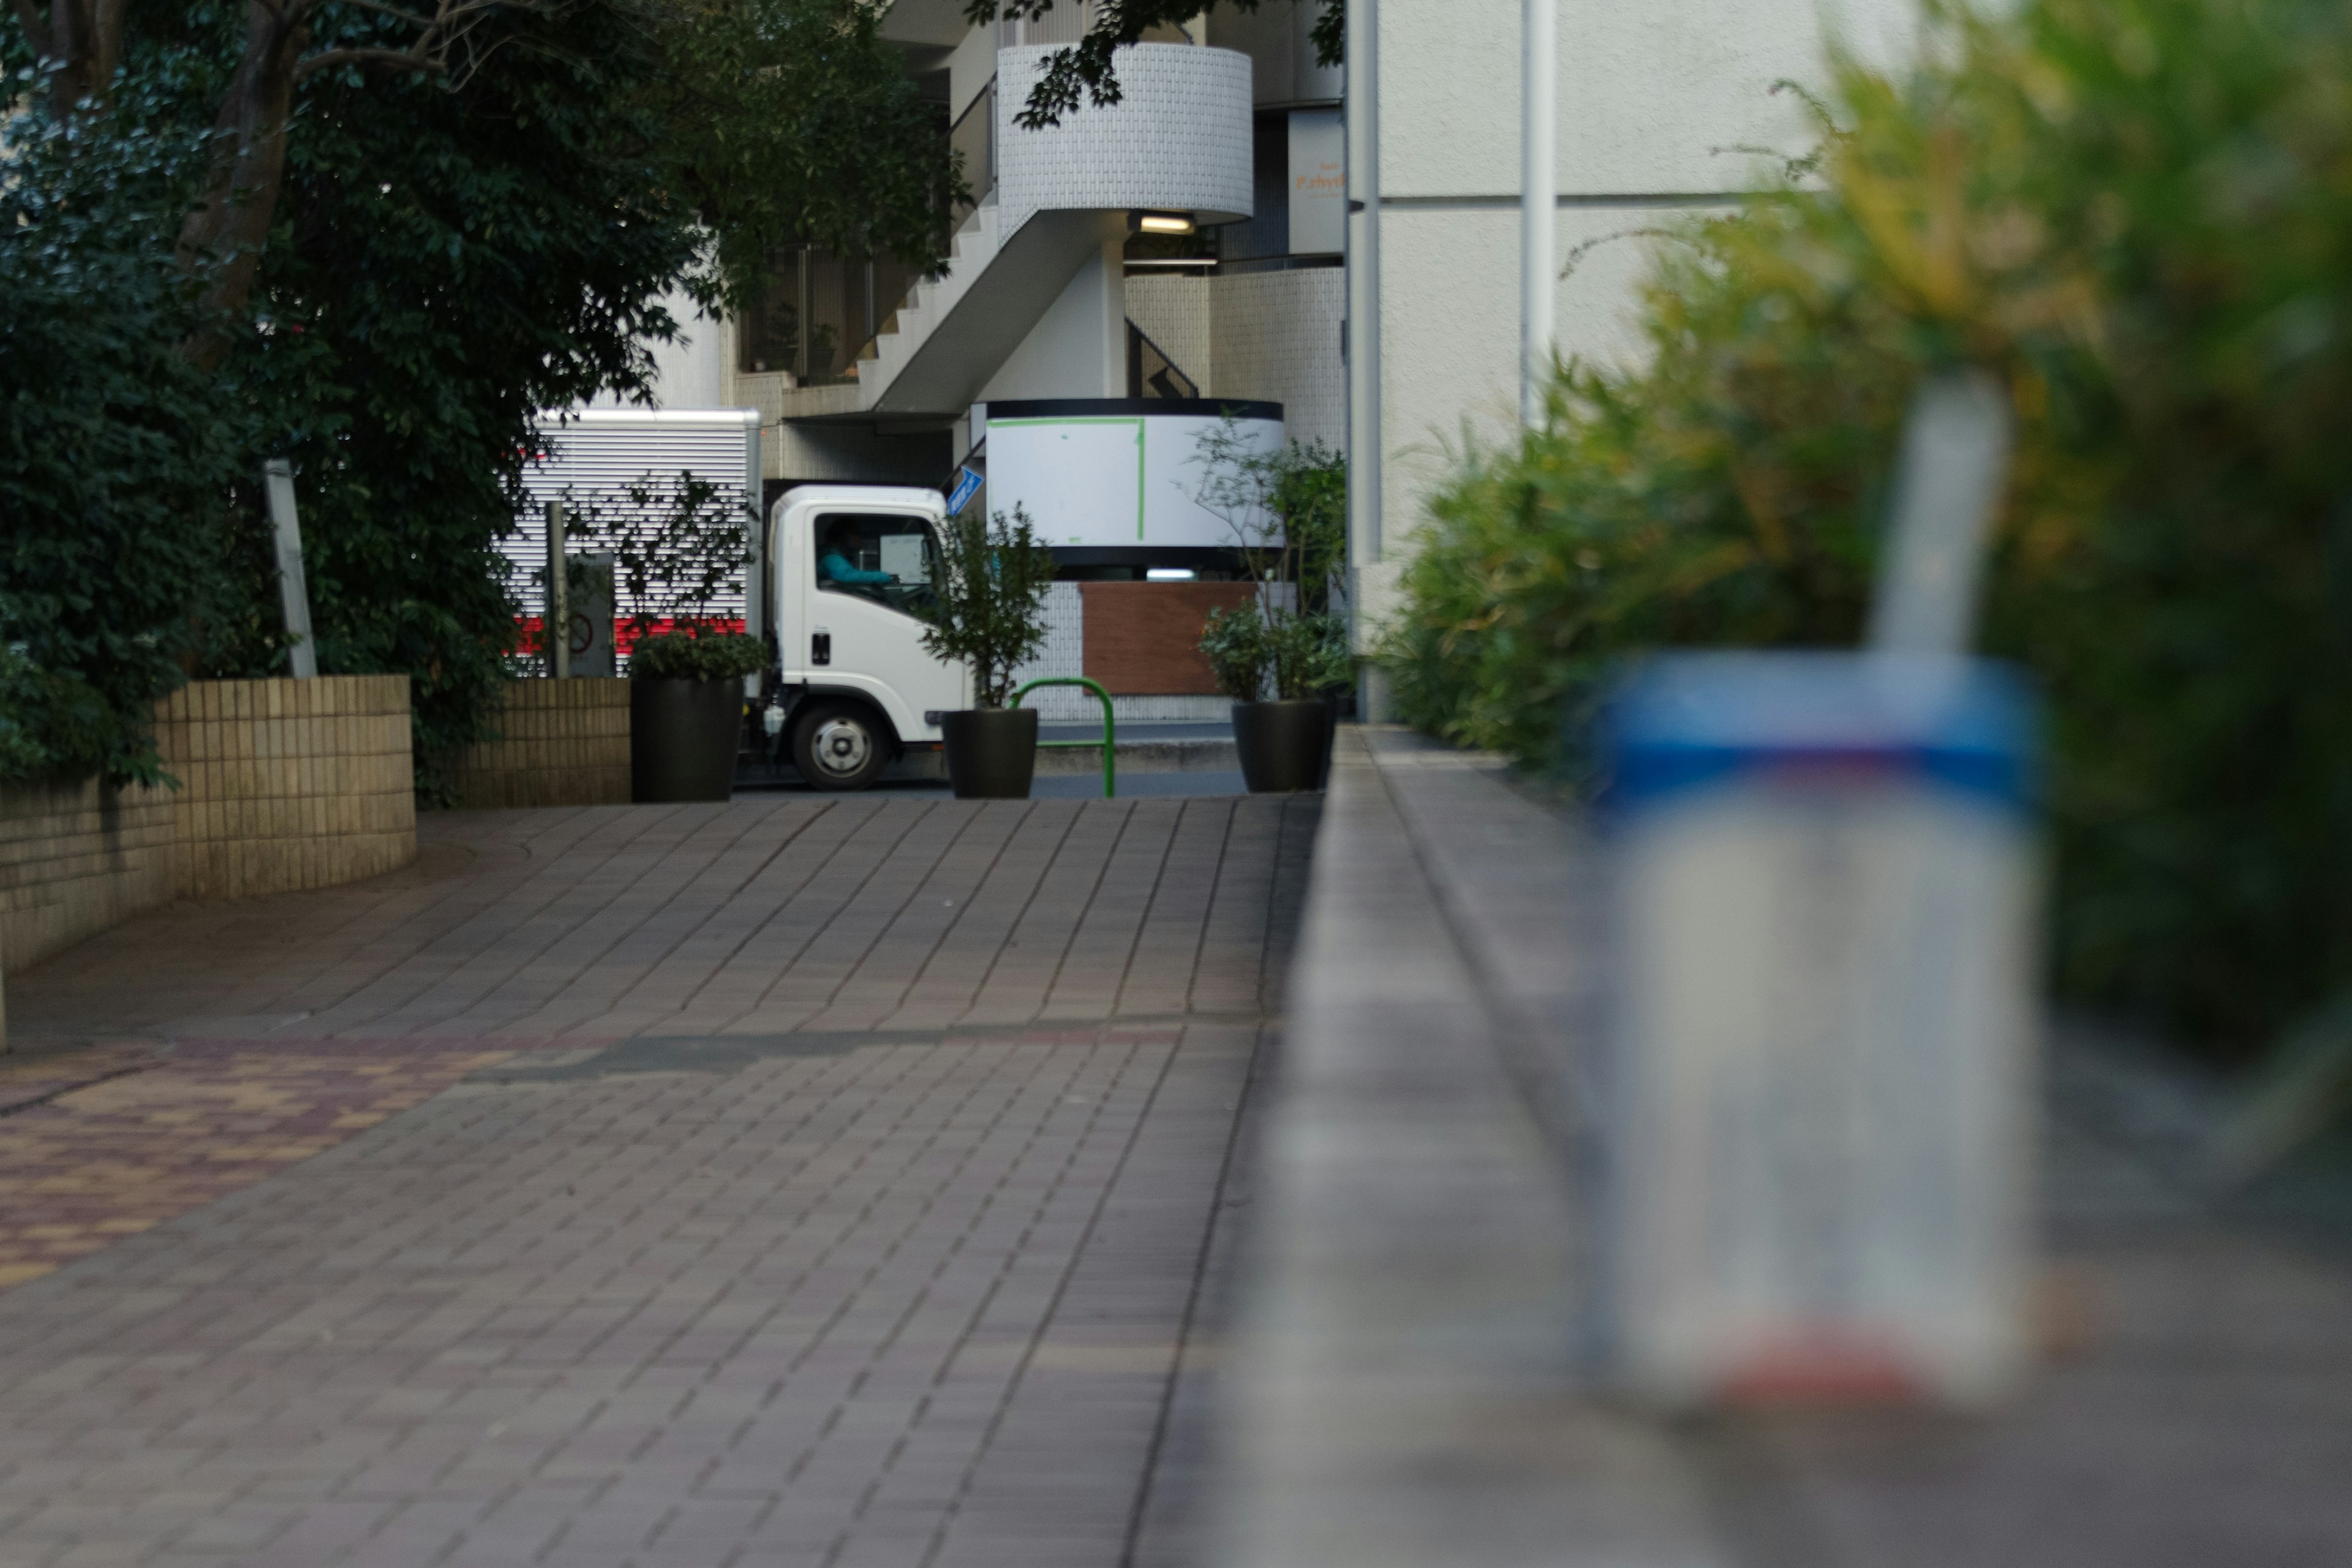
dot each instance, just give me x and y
(851, 687)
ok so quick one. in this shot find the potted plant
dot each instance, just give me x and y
(1283, 656)
(989, 612)
(685, 711)
(676, 548)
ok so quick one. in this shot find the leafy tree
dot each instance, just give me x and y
(396, 237)
(787, 121)
(111, 454)
(1089, 67)
(989, 607)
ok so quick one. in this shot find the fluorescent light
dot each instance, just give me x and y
(1169, 574)
(1164, 223)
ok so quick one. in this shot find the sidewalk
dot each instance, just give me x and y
(789, 1182)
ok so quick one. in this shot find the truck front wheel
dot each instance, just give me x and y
(840, 745)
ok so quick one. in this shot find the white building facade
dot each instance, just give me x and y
(1661, 110)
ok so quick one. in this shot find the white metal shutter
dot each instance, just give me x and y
(595, 457)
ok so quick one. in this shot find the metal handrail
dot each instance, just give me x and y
(1110, 726)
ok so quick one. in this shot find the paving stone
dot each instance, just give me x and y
(760, 1183)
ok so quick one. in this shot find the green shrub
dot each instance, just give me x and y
(696, 656)
(2139, 215)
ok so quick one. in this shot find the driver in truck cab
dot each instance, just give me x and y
(836, 564)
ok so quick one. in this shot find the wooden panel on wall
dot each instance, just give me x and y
(1142, 638)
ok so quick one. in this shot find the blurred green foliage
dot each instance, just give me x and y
(2139, 215)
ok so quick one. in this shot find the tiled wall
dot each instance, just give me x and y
(284, 785)
(1174, 313)
(1179, 138)
(566, 743)
(1275, 336)
(77, 858)
(289, 784)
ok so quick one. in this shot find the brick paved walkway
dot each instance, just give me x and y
(781, 1182)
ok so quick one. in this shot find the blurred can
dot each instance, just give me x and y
(1815, 1094)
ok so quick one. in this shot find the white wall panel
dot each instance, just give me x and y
(1649, 93)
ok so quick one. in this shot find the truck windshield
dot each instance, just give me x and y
(891, 558)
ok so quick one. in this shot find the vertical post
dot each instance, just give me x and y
(293, 591)
(559, 598)
(1955, 465)
(1364, 147)
(1367, 448)
(1538, 201)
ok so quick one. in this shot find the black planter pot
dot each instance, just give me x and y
(992, 752)
(682, 739)
(1284, 746)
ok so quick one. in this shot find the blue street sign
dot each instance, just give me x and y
(967, 486)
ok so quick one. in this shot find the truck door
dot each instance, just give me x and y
(870, 576)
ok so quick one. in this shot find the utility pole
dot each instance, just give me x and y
(1539, 202)
(558, 601)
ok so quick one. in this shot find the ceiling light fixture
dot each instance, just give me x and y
(1163, 223)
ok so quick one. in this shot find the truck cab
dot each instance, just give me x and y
(848, 571)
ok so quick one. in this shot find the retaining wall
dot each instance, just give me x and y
(288, 785)
(563, 742)
(285, 785)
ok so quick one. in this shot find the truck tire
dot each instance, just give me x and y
(839, 745)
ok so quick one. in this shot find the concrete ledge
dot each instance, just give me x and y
(1209, 755)
(1406, 1388)
(1405, 1391)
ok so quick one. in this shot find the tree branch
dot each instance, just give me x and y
(390, 60)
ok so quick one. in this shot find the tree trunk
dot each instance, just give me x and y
(248, 161)
(80, 42)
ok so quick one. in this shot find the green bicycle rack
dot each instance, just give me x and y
(1110, 726)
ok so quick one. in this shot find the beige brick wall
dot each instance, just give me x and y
(566, 742)
(285, 785)
(289, 784)
(77, 858)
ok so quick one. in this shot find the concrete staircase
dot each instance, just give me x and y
(940, 347)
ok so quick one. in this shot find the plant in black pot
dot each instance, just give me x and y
(1282, 656)
(989, 612)
(677, 547)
